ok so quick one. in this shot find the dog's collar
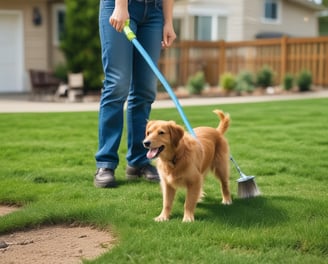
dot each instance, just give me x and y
(174, 160)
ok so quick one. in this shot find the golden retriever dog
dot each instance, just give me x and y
(183, 161)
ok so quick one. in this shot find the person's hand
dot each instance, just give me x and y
(118, 18)
(168, 36)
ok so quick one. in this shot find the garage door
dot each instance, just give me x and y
(11, 52)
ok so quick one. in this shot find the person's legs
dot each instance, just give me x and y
(119, 61)
(116, 59)
(142, 93)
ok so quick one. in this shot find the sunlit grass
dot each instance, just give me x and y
(47, 167)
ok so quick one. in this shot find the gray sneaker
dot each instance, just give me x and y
(148, 171)
(104, 178)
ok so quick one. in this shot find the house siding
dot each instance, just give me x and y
(235, 23)
(245, 18)
(36, 48)
(294, 23)
(291, 21)
(252, 19)
(232, 9)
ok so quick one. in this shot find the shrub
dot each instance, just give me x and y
(81, 43)
(265, 77)
(196, 83)
(288, 81)
(245, 82)
(61, 72)
(228, 81)
(304, 81)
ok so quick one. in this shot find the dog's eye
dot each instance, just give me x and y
(147, 133)
(161, 132)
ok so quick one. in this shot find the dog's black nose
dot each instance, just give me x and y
(146, 144)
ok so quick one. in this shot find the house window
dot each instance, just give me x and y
(210, 28)
(271, 10)
(58, 18)
(203, 27)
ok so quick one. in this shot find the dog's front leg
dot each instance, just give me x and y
(168, 197)
(193, 193)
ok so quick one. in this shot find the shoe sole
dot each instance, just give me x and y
(131, 177)
(104, 184)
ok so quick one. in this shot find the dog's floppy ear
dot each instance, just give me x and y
(176, 133)
(149, 123)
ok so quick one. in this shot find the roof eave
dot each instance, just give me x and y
(309, 4)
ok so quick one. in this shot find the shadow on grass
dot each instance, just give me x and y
(260, 211)
(125, 182)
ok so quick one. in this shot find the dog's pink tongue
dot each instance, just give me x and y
(152, 153)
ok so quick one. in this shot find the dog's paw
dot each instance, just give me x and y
(226, 201)
(161, 218)
(188, 219)
(200, 198)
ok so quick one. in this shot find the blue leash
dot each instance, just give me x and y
(132, 37)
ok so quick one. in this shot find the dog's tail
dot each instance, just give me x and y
(224, 121)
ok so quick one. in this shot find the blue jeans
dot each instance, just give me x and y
(128, 78)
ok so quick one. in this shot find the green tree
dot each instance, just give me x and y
(323, 22)
(81, 44)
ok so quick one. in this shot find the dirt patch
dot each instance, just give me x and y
(53, 244)
(7, 209)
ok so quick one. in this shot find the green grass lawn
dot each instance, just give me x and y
(47, 166)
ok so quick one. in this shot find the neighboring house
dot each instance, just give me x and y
(29, 37)
(236, 20)
(30, 30)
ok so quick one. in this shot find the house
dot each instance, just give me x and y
(236, 20)
(30, 30)
(29, 39)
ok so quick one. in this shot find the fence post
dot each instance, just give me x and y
(222, 58)
(283, 62)
(184, 62)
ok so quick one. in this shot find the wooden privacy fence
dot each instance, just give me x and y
(283, 55)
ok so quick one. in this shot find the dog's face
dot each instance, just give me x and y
(162, 137)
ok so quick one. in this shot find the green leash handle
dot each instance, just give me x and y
(128, 32)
